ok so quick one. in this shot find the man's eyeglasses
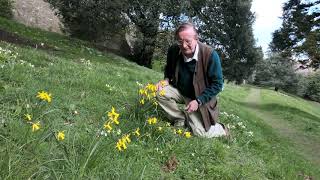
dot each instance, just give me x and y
(188, 41)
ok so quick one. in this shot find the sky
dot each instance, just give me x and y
(268, 13)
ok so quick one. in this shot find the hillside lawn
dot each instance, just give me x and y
(274, 135)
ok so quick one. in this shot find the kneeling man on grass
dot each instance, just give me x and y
(193, 76)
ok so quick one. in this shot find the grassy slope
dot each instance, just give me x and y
(78, 85)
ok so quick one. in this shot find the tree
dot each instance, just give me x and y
(228, 26)
(299, 36)
(90, 20)
(277, 72)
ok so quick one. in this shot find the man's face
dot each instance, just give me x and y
(187, 41)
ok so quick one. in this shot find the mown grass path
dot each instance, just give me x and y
(307, 146)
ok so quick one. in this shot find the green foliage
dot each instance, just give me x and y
(6, 7)
(299, 35)
(227, 25)
(90, 20)
(85, 84)
(277, 72)
(310, 87)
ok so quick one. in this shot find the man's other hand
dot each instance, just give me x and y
(192, 106)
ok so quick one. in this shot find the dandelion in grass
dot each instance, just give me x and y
(162, 92)
(187, 134)
(137, 132)
(179, 131)
(28, 117)
(35, 126)
(45, 96)
(60, 136)
(152, 120)
(108, 127)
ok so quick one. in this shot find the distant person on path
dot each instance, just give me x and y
(193, 76)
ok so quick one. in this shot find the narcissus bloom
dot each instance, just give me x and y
(35, 126)
(187, 134)
(60, 136)
(126, 138)
(113, 115)
(162, 92)
(45, 96)
(142, 101)
(121, 145)
(137, 132)
(142, 92)
(151, 87)
(152, 120)
(163, 83)
(28, 117)
(108, 126)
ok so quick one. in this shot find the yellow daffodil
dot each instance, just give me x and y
(115, 120)
(45, 96)
(179, 131)
(163, 83)
(119, 146)
(60, 136)
(137, 132)
(142, 101)
(187, 134)
(108, 126)
(28, 117)
(162, 92)
(127, 138)
(35, 126)
(142, 92)
(124, 145)
(151, 87)
(113, 115)
(152, 120)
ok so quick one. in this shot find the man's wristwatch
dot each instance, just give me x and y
(199, 102)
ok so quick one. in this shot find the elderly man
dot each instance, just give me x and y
(193, 76)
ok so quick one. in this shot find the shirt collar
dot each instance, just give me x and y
(195, 55)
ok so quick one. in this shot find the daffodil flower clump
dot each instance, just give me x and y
(35, 122)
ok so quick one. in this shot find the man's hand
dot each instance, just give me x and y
(161, 84)
(192, 106)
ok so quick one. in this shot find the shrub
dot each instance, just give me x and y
(312, 89)
(6, 7)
